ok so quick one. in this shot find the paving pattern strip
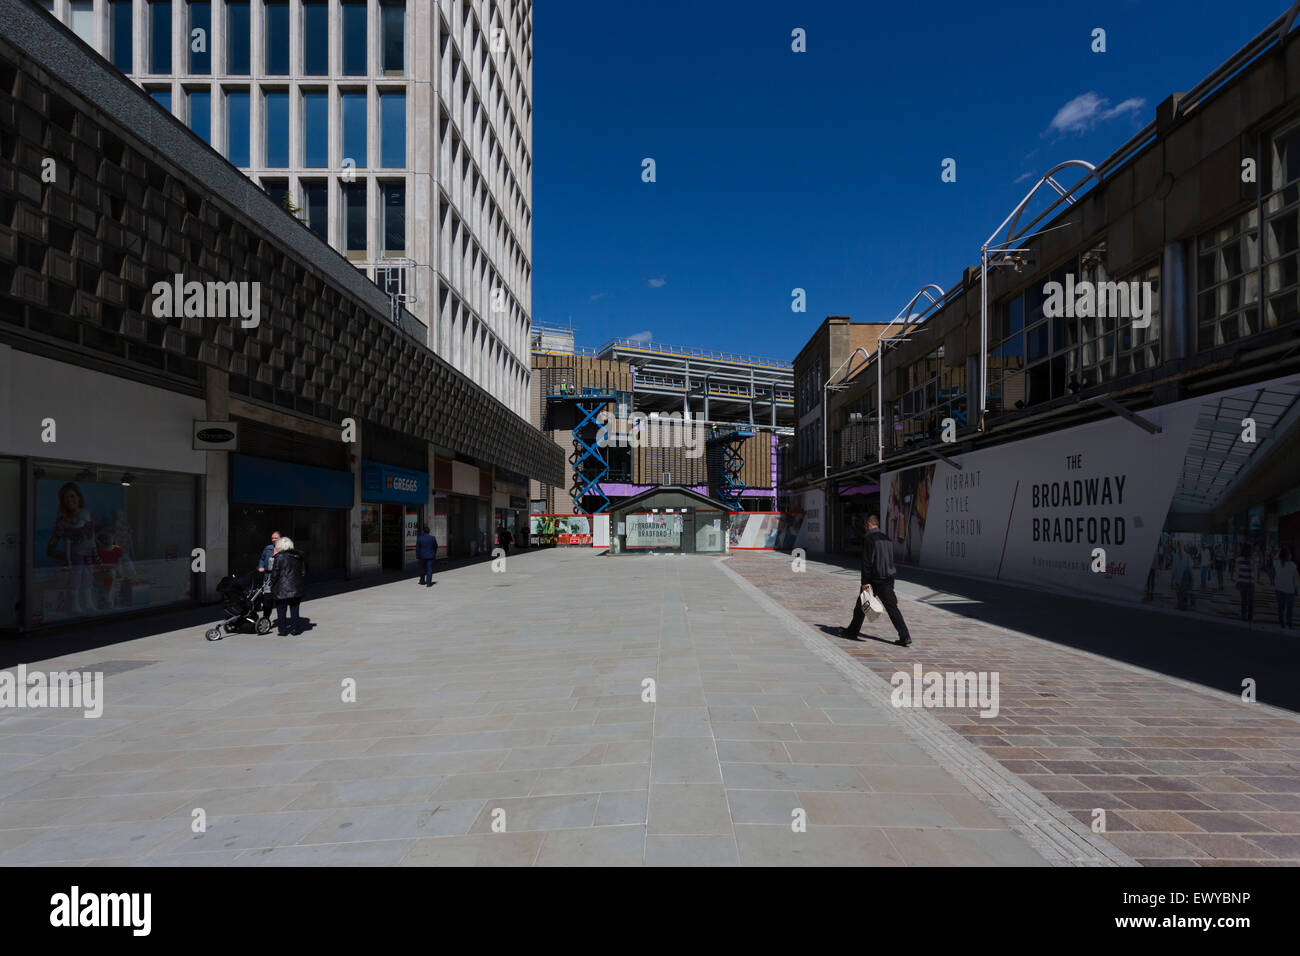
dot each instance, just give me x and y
(1188, 776)
(1060, 838)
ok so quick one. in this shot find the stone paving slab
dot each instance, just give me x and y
(1186, 775)
(479, 707)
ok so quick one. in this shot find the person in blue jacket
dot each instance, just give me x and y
(426, 550)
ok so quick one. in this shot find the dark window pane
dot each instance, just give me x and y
(277, 129)
(238, 32)
(394, 195)
(354, 128)
(163, 98)
(393, 20)
(200, 113)
(199, 43)
(119, 13)
(392, 132)
(355, 215)
(160, 36)
(277, 38)
(277, 189)
(316, 196)
(316, 38)
(354, 39)
(316, 134)
(237, 128)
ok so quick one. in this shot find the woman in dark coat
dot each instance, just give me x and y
(288, 573)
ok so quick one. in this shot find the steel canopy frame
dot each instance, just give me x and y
(882, 341)
(1003, 252)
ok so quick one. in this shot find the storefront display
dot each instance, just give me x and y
(108, 540)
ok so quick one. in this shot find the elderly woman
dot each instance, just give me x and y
(288, 572)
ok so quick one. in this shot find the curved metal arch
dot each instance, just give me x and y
(1045, 179)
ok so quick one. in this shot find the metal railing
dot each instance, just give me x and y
(684, 352)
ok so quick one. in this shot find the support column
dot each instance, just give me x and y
(354, 516)
(214, 531)
(686, 394)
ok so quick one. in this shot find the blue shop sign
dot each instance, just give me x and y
(381, 482)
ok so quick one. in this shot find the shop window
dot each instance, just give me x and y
(370, 534)
(109, 540)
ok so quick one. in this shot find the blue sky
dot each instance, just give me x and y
(819, 170)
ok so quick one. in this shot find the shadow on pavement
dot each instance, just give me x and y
(59, 640)
(1216, 652)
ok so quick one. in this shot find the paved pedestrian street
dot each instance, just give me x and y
(501, 719)
(511, 698)
(1186, 775)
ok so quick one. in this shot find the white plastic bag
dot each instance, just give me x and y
(871, 604)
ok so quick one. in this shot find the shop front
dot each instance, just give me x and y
(462, 509)
(103, 540)
(99, 516)
(393, 510)
(305, 502)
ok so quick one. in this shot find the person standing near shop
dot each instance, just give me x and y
(878, 573)
(1287, 581)
(288, 575)
(268, 555)
(426, 551)
(1246, 583)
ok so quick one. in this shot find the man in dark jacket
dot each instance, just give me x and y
(288, 575)
(878, 573)
(426, 550)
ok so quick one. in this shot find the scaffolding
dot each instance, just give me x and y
(725, 464)
(588, 461)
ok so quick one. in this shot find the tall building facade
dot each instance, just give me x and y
(400, 131)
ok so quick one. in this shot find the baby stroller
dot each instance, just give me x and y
(245, 601)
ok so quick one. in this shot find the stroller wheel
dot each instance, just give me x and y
(263, 625)
(232, 627)
(214, 634)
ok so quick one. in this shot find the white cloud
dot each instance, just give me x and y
(1022, 177)
(1087, 111)
(597, 297)
(641, 337)
(656, 283)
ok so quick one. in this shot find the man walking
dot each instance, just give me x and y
(426, 550)
(878, 573)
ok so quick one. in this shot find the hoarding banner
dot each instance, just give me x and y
(1034, 511)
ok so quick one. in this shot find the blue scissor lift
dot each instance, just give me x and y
(725, 464)
(587, 458)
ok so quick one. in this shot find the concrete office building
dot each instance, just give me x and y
(1120, 392)
(401, 130)
(137, 435)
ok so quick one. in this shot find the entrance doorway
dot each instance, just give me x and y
(392, 537)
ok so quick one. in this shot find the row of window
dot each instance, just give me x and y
(353, 202)
(196, 36)
(350, 110)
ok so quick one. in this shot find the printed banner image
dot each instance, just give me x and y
(1174, 512)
